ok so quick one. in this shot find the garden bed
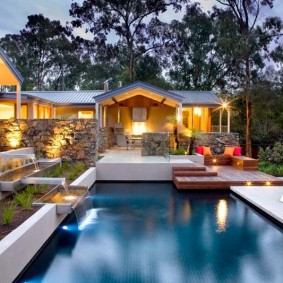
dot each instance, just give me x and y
(17, 208)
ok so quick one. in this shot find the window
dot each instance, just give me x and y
(24, 111)
(7, 111)
(85, 115)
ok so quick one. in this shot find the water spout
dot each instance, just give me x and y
(65, 186)
(34, 161)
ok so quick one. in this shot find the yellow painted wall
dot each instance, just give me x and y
(71, 112)
(157, 118)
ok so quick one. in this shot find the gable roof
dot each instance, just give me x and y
(11, 67)
(136, 85)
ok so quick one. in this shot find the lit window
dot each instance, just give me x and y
(85, 114)
(7, 111)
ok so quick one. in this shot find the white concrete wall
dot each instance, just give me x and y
(21, 245)
(138, 171)
(87, 179)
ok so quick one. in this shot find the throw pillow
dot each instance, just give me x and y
(206, 150)
(229, 150)
(237, 151)
(199, 149)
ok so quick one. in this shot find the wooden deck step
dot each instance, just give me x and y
(185, 183)
(190, 168)
(194, 173)
(205, 182)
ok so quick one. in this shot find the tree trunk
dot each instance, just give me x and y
(248, 104)
(131, 62)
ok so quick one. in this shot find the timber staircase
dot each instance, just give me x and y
(200, 177)
(197, 177)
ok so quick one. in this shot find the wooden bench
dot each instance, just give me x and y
(244, 163)
(217, 160)
(239, 162)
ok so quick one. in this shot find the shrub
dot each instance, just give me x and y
(24, 199)
(274, 155)
(179, 151)
(8, 213)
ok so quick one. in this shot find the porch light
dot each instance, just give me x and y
(197, 111)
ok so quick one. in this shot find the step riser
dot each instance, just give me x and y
(195, 174)
(189, 169)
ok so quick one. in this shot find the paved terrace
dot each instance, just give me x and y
(119, 164)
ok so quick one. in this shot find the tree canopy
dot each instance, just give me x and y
(224, 50)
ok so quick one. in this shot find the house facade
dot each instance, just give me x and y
(136, 108)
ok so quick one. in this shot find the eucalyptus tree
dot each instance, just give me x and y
(43, 52)
(132, 23)
(203, 53)
(254, 37)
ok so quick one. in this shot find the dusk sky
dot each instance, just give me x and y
(13, 13)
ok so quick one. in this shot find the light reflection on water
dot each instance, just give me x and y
(141, 235)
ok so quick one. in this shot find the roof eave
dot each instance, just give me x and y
(11, 66)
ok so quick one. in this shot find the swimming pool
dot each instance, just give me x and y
(149, 232)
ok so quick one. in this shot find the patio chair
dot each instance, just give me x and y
(130, 143)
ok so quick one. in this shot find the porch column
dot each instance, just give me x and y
(119, 114)
(104, 116)
(97, 111)
(228, 120)
(180, 115)
(220, 121)
(53, 112)
(18, 101)
(100, 116)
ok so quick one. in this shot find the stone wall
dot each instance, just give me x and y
(155, 144)
(217, 141)
(105, 140)
(69, 139)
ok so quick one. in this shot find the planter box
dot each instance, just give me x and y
(19, 247)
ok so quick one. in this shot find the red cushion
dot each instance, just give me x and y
(237, 151)
(199, 149)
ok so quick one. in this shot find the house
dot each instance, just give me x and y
(136, 108)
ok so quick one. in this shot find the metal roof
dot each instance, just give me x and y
(194, 98)
(138, 84)
(11, 66)
(64, 97)
(198, 97)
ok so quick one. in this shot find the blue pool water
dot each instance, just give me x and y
(149, 232)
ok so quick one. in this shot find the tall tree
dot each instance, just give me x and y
(43, 53)
(202, 54)
(246, 13)
(133, 22)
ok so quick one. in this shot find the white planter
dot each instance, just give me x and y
(21, 245)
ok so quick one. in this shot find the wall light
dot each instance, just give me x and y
(197, 111)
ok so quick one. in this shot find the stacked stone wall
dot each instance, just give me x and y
(105, 140)
(72, 140)
(217, 141)
(155, 144)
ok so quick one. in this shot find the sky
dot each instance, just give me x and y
(13, 13)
